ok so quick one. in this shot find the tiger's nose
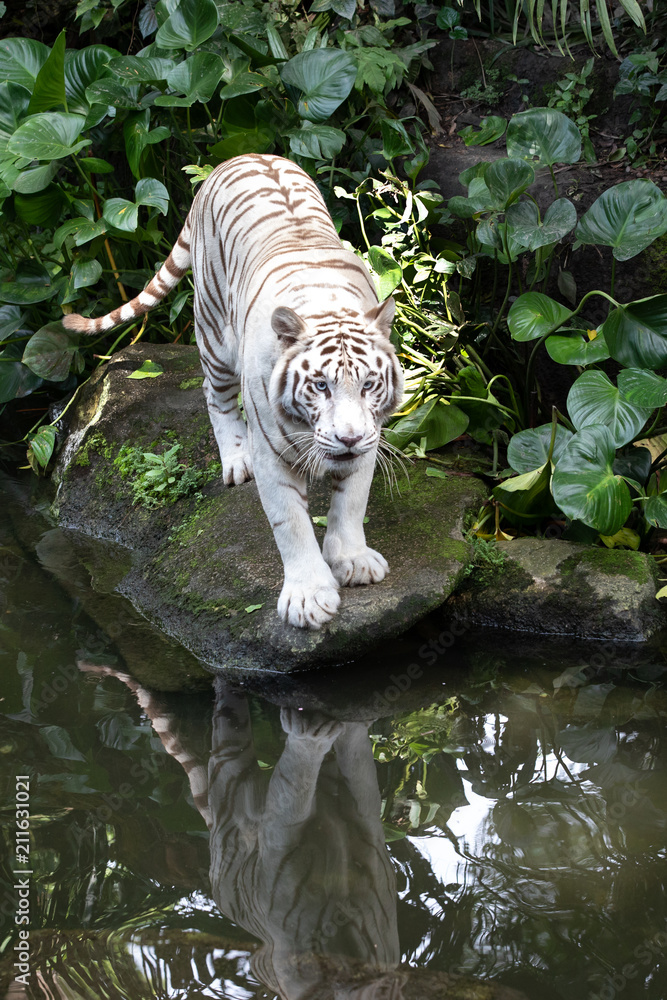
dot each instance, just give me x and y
(349, 442)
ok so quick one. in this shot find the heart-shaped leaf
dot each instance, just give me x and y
(49, 352)
(438, 422)
(196, 77)
(14, 101)
(534, 314)
(636, 334)
(108, 91)
(506, 179)
(82, 229)
(529, 450)
(633, 462)
(48, 136)
(85, 273)
(36, 179)
(584, 485)
(324, 77)
(655, 510)
(122, 214)
(316, 141)
(386, 271)
(21, 60)
(593, 399)
(83, 67)
(142, 69)
(544, 136)
(395, 140)
(642, 387)
(627, 217)
(41, 209)
(577, 349)
(16, 379)
(189, 24)
(152, 193)
(138, 135)
(30, 283)
(525, 227)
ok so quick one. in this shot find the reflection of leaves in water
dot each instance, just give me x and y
(588, 745)
(60, 743)
(119, 731)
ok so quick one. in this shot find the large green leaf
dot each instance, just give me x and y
(525, 227)
(82, 229)
(325, 77)
(254, 140)
(577, 349)
(49, 352)
(16, 379)
(544, 136)
(593, 399)
(506, 179)
(49, 89)
(190, 24)
(153, 193)
(21, 60)
(239, 80)
(41, 209)
(28, 284)
(636, 334)
(655, 510)
(584, 485)
(141, 69)
(316, 141)
(386, 271)
(138, 135)
(116, 93)
(121, 213)
(490, 129)
(527, 497)
(14, 101)
(529, 450)
(36, 179)
(534, 314)
(48, 137)
(83, 67)
(642, 387)
(196, 77)
(39, 454)
(434, 420)
(395, 139)
(627, 217)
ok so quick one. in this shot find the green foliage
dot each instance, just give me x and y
(159, 479)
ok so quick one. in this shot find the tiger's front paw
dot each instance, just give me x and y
(236, 468)
(308, 605)
(357, 570)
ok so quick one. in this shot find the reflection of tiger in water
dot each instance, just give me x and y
(288, 316)
(298, 856)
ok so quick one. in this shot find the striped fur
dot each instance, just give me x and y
(287, 316)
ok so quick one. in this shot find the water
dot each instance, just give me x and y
(492, 824)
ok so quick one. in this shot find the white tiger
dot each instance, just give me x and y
(289, 317)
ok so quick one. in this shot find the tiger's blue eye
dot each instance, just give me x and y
(368, 384)
(321, 386)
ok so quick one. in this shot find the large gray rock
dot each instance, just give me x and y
(193, 568)
(553, 587)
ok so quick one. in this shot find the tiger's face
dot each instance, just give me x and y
(339, 381)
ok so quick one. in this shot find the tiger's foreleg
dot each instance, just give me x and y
(309, 597)
(352, 562)
(221, 392)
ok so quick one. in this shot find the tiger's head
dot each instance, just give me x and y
(339, 378)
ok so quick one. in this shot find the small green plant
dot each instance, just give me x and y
(487, 90)
(571, 95)
(644, 76)
(159, 479)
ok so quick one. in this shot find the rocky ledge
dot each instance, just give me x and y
(205, 568)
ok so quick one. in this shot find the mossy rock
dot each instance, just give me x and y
(197, 565)
(561, 588)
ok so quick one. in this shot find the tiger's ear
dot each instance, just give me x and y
(287, 325)
(380, 317)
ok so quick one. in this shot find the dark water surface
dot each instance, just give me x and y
(483, 821)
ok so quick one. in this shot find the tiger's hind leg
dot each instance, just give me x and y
(221, 389)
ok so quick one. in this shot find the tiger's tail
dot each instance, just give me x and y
(169, 275)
